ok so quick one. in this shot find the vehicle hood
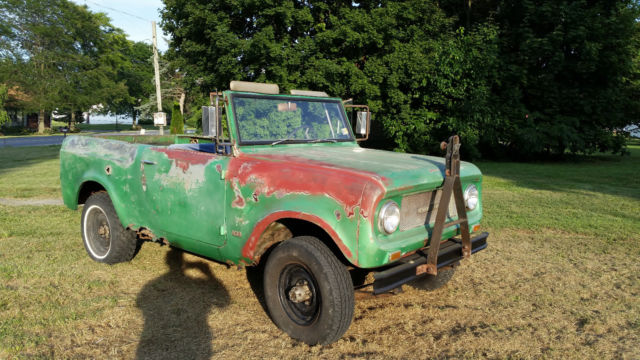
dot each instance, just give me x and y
(396, 171)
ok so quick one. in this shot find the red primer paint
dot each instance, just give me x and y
(185, 158)
(282, 174)
(250, 245)
(239, 200)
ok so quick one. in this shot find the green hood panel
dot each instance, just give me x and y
(397, 171)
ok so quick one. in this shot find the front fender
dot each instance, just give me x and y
(247, 223)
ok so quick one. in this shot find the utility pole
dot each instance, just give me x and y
(158, 118)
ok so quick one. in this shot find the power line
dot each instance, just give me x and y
(118, 11)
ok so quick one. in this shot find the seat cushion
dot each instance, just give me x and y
(209, 148)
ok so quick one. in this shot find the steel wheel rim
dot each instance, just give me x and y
(97, 232)
(302, 313)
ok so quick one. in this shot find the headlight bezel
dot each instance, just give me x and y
(471, 197)
(388, 209)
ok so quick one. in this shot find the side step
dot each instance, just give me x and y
(410, 268)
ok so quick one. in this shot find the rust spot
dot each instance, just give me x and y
(108, 170)
(273, 234)
(239, 201)
(219, 168)
(145, 234)
(255, 196)
(338, 216)
(236, 233)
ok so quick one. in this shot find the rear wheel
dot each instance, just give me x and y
(308, 292)
(104, 237)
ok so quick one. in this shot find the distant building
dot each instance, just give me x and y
(20, 117)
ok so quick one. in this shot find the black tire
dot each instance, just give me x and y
(304, 263)
(104, 238)
(430, 282)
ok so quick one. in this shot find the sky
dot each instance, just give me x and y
(132, 16)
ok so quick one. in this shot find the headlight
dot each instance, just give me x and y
(389, 217)
(471, 197)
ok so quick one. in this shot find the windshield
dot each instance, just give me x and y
(274, 120)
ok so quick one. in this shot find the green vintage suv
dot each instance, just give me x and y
(279, 184)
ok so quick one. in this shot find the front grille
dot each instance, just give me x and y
(421, 209)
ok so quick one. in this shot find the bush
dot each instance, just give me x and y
(15, 130)
(177, 122)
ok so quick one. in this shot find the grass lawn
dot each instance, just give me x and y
(29, 172)
(560, 279)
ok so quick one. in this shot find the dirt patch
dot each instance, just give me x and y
(30, 202)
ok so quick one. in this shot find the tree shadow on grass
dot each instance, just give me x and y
(176, 306)
(606, 174)
(12, 158)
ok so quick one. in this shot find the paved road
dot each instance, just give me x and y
(32, 141)
(56, 140)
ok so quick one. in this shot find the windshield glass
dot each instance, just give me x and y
(264, 120)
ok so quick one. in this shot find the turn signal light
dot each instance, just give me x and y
(395, 256)
(476, 227)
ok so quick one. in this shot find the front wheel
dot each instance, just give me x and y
(308, 292)
(104, 237)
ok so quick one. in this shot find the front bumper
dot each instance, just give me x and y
(406, 269)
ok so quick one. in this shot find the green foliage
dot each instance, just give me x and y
(172, 90)
(525, 78)
(177, 122)
(136, 73)
(4, 117)
(60, 55)
(194, 117)
(565, 69)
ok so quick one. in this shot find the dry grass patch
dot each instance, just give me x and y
(530, 295)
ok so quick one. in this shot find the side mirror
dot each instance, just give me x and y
(210, 120)
(362, 120)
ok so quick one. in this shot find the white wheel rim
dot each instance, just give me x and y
(89, 211)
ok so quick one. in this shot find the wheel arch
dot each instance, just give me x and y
(280, 226)
(86, 189)
(91, 185)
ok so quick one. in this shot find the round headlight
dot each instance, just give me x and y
(389, 217)
(471, 197)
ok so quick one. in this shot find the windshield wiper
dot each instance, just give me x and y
(281, 141)
(323, 140)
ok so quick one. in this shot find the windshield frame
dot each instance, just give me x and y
(293, 98)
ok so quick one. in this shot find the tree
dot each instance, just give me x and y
(171, 83)
(523, 78)
(61, 54)
(4, 118)
(568, 80)
(402, 58)
(177, 122)
(137, 75)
